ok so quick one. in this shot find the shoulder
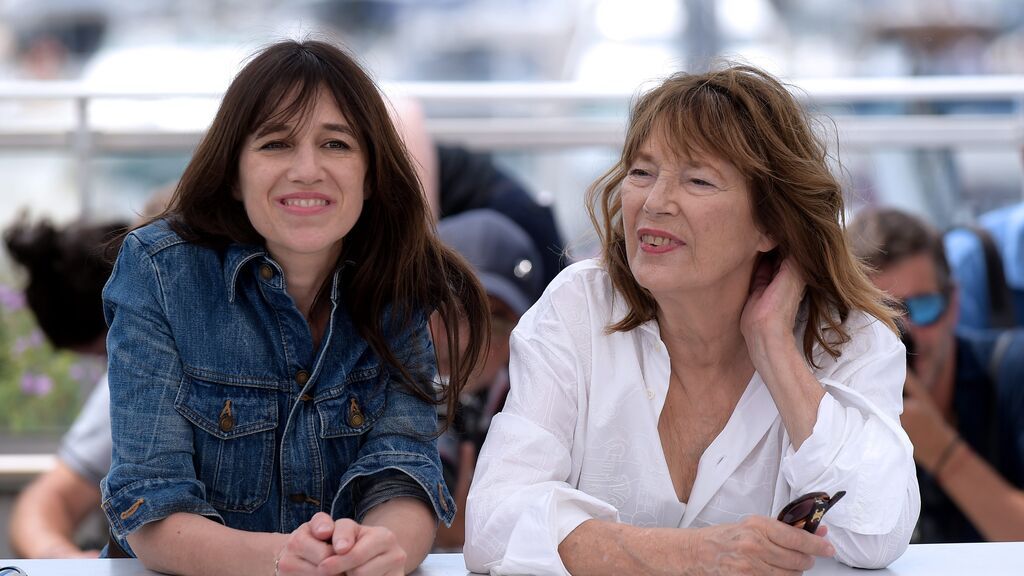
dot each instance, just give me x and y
(581, 291)
(870, 340)
(153, 237)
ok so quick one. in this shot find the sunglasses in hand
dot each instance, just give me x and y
(807, 511)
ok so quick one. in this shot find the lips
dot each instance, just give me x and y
(304, 203)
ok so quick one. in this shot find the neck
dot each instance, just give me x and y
(944, 383)
(304, 276)
(702, 331)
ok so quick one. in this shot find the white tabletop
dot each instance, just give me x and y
(995, 559)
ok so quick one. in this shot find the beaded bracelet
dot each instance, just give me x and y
(946, 454)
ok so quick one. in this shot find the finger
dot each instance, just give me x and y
(799, 540)
(786, 559)
(346, 533)
(389, 563)
(321, 526)
(304, 548)
(372, 541)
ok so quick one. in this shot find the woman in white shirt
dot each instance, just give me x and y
(725, 355)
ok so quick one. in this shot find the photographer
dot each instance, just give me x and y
(964, 395)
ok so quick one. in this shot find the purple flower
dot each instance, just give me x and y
(11, 299)
(36, 384)
(86, 371)
(26, 343)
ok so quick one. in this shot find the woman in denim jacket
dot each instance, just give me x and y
(272, 402)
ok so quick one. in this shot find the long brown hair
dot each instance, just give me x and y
(399, 265)
(745, 116)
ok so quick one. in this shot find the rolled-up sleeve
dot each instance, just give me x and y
(402, 441)
(858, 446)
(152, 474)
(521, 504)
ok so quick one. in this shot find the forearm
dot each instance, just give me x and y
(41, 527)
(412, 523)
(48, 513)
(994, 506)
(190, 544)
(795, 390)
(598, 547)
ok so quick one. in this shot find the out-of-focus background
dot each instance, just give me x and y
(101, 102)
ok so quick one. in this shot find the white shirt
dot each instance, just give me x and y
(578, 439)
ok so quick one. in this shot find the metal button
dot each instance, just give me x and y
(355, 414)
(305, 397)
(266, 272)
(301, 377)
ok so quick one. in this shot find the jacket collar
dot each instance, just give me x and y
(238, 256)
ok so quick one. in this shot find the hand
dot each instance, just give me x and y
(760, 545)
(364, 551)
(307, 547)
(928, 430)
(775, 295)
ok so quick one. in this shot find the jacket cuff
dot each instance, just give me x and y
(148, 501)
(420, 468)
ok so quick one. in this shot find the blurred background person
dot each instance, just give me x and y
(509, 267)
(964, 395)
(66, 269)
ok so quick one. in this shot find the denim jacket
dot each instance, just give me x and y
(220, 406)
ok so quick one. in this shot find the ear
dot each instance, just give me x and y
(766, 243)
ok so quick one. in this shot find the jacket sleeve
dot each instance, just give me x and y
(402, 443)
(521, 504)
(858, 445)
(152, 475)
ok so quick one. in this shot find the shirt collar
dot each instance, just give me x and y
(238, 256)
(235, 258)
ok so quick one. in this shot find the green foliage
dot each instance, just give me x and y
(41, 389)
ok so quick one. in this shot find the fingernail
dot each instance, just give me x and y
(831, 551)
(341, 544)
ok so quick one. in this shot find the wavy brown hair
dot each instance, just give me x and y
(746, 116)
(399, 265)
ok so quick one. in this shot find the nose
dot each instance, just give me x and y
(305, 167)
(659, 199)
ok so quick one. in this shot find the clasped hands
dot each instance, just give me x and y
(327, 547)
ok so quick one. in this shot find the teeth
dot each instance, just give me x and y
(654, 240)
(305, 202)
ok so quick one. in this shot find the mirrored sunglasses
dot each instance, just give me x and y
(807, 511)
(925, 309)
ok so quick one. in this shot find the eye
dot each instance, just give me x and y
(701, 182)
(638, 172)
(337, 145)
(273, 145)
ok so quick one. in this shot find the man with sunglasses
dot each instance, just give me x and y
(964, 395)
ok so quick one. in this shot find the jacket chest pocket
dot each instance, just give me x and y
(234, 428)
(352, 409)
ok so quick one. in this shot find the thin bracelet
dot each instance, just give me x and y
(946, 454)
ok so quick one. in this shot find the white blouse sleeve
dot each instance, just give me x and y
(859, 446)
(521, 503)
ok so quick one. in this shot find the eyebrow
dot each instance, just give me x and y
(275, 127)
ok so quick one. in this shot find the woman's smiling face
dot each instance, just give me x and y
(688, 221)
(302, 182)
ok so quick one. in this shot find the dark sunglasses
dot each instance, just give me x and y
(925, 309)
(807, 511)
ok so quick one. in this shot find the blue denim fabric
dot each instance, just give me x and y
(208, 414)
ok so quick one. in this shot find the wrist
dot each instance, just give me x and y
(942, 462)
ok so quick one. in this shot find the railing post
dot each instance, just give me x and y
(82, 147)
